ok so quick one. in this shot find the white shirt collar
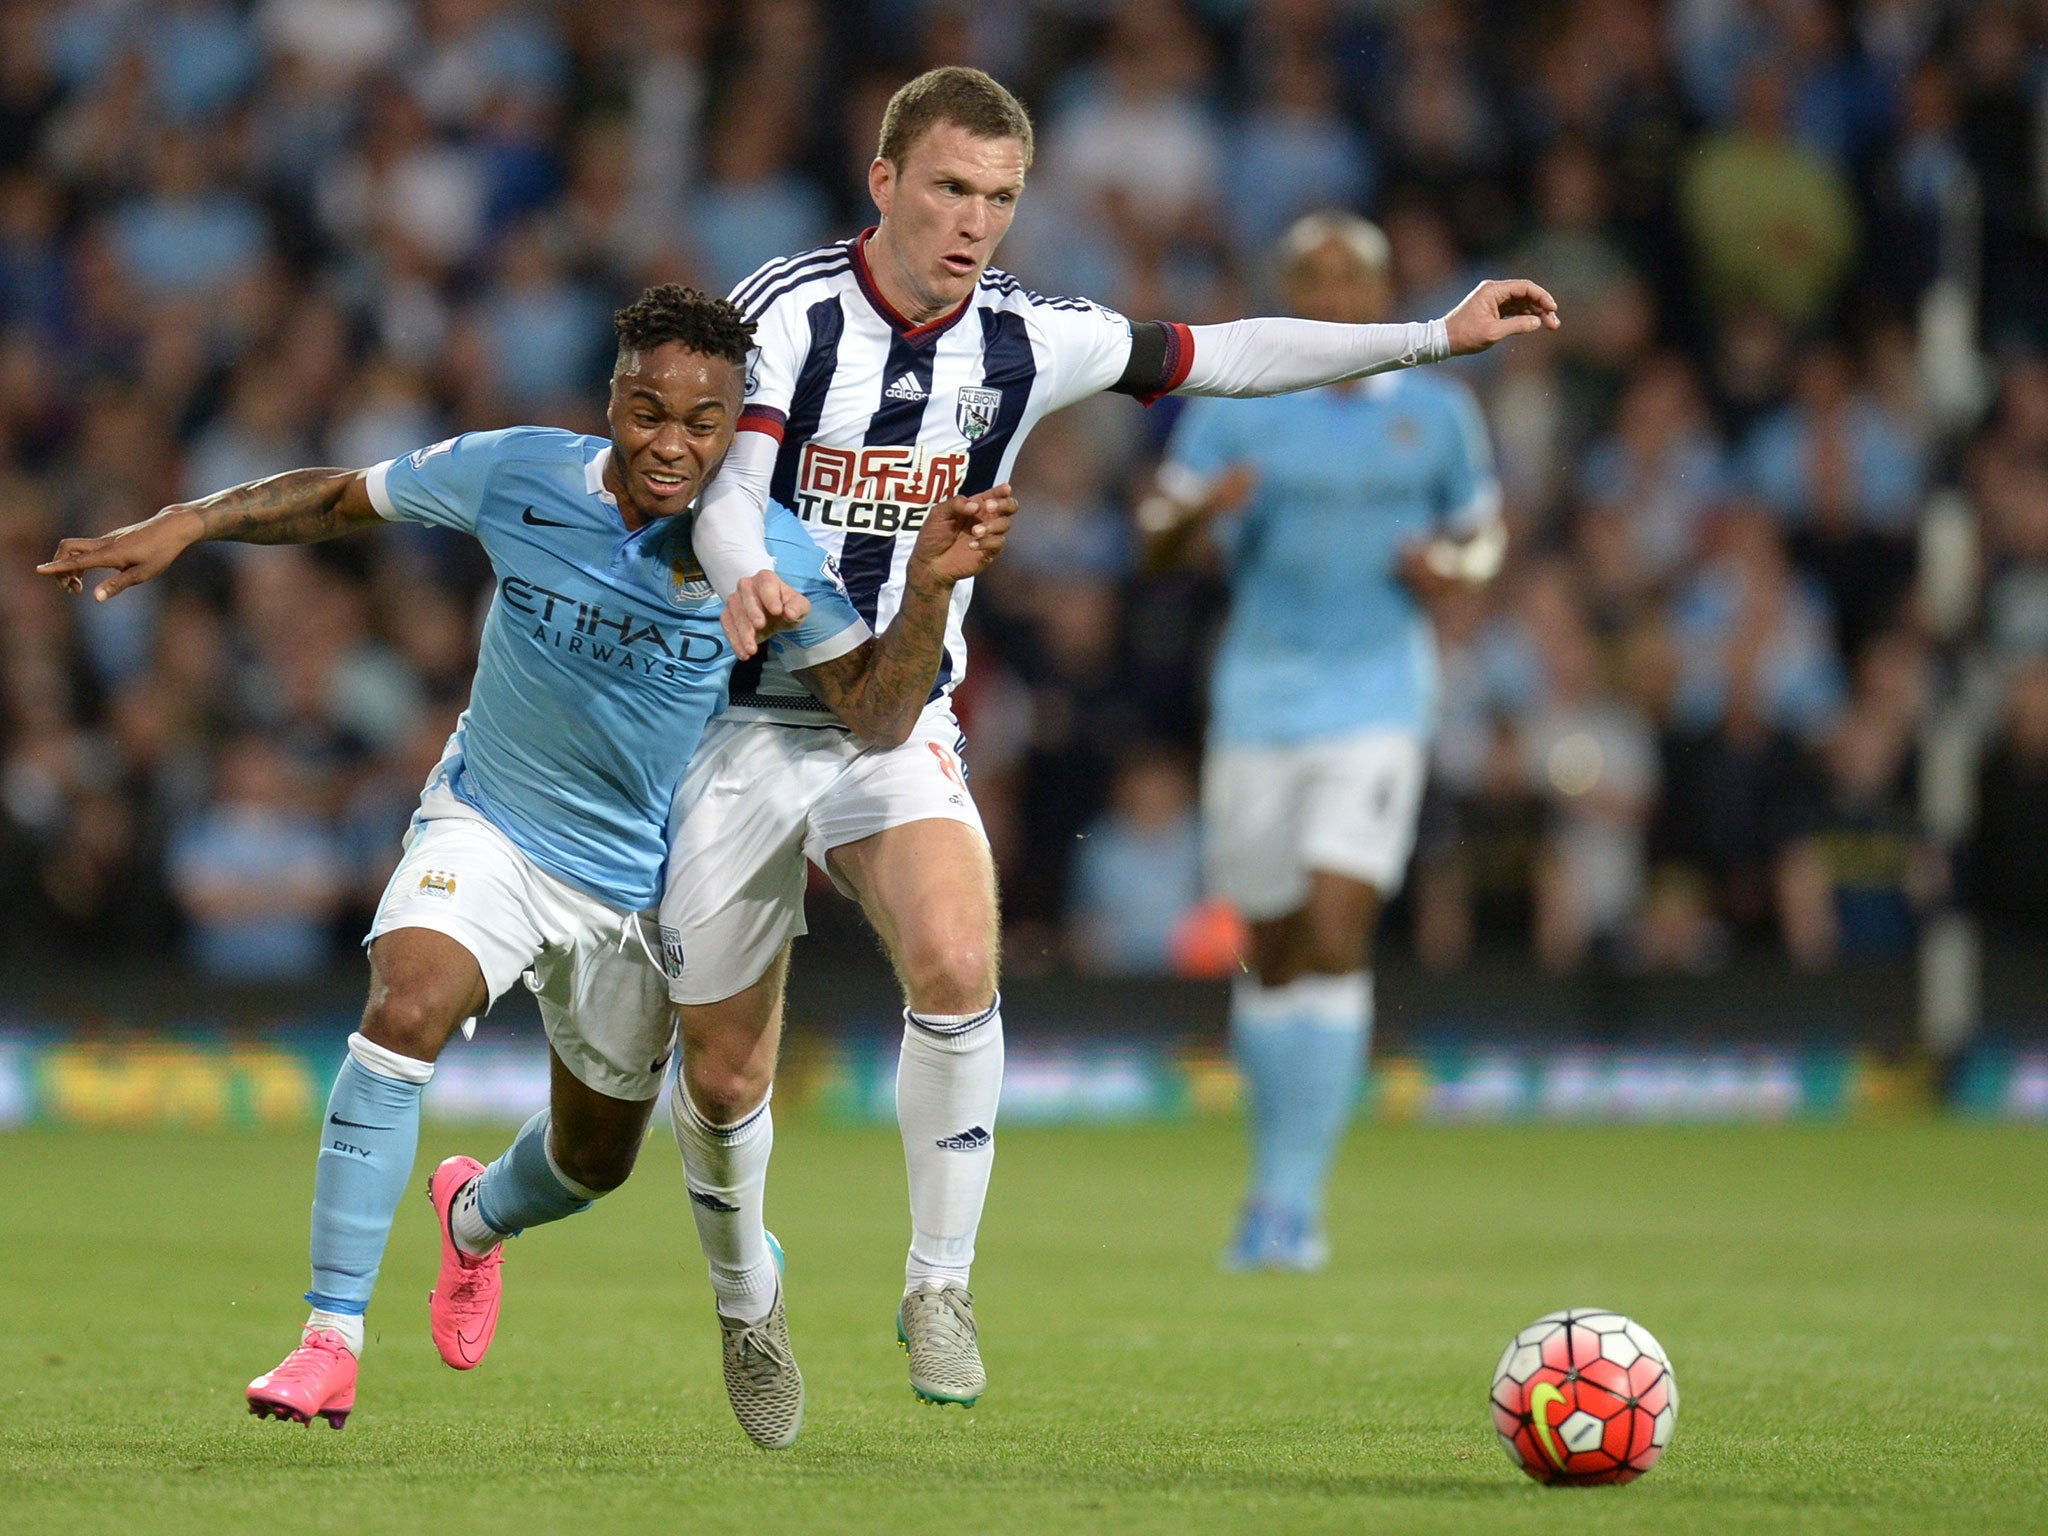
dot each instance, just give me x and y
(593, 475)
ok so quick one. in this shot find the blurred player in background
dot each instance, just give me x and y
(537, 850)
(892, 370)
(1334, 511)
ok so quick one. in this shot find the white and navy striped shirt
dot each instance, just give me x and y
(880, 420)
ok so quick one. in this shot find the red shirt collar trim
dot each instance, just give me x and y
(866, 278)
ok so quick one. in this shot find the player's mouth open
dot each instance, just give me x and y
(662, 483)
(957, 264)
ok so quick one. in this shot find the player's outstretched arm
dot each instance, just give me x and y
(1277, 355)
(880, 688)
(300, 506)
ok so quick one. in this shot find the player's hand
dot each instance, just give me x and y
(762, 605)
(1426, 580)
(1436, 568)
(1496, 310)
(962, 538)
(1233, 488)
(133, 554)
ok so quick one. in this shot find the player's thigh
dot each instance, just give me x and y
(900, 834)
(929, 889)
(604, 998)
(1330, 933)
(729, 1047)
(595, 1138)
(733, 892)
(1361, 806)
(457, 925)
(1251, 829)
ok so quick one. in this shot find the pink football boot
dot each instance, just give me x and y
(464, 1303)
(317, 1378)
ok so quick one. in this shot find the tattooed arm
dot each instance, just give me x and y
(301, 506)
(880, 687)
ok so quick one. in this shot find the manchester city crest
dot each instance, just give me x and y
(687, 583)
(976, 412)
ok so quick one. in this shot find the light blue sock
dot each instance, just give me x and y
(367, 1143)
(1302, 1050)
(524, 1188)
(1261, 1040)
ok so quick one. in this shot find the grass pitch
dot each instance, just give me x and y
(1858, 1317)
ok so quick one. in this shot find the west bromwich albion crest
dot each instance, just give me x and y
(976, 412)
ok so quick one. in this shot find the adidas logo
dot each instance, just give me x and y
(973, 1139)
(906, 387)
(711, 1202)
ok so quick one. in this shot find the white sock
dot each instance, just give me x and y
(473, 1235)
(949, 1080)
(348, 1324)
(726, 1169)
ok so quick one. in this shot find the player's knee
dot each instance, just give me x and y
(409, 1022)
(1338, 931)
(952, 976)
(1338, 951)
(1275, 957)
(600, 1165)
(726, 1092)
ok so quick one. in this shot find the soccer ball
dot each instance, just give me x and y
(1584, 1396)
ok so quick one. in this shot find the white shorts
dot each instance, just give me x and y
(758, 800)
(603, 998)
(1270, 815)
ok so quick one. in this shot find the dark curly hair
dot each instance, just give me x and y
(668, 312)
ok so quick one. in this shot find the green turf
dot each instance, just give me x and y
(1858, 1317)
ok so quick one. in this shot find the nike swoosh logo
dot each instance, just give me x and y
(356, 1125)
(467, 1343)
(541, 522)
(1541, 1396)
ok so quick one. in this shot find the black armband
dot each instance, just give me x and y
(1161, 354)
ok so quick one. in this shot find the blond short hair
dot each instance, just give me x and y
(1364, 239)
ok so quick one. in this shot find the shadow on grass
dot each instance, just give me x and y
(668, 1448)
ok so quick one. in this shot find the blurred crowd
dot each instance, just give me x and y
(1690, 718)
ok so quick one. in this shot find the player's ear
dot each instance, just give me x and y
(882, 184)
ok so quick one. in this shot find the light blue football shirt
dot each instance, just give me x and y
(1323, 639)
(602, 656)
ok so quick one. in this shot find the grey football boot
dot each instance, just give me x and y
(936, 1329)
(761, 1379)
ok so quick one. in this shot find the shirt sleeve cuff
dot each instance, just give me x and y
(764, 419)
(797, 657)
(376, 482)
